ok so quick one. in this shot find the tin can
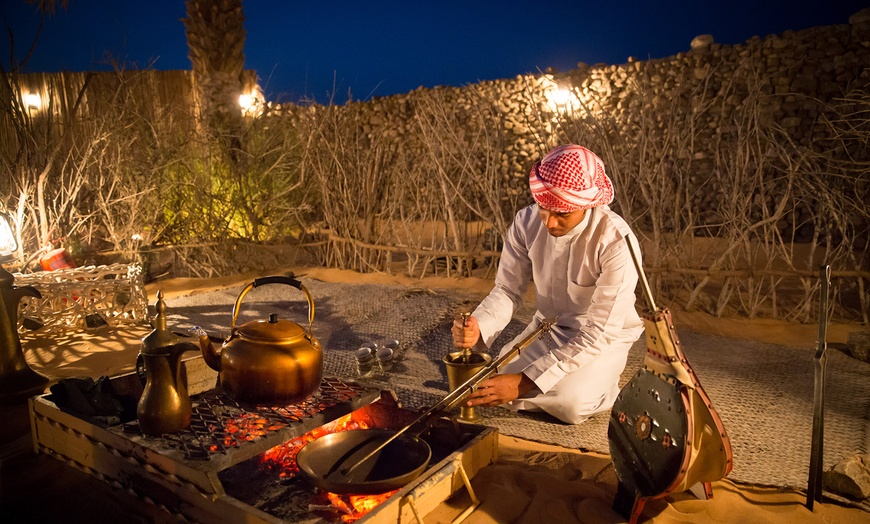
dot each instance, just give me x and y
(56, 259)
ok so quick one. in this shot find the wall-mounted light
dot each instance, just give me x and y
(252, 102)
(246, 100)
(562, 100)
(31, 101)
(560, 97)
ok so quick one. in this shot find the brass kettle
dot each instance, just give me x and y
(272, 361)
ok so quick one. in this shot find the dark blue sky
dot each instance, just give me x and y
(313, 48)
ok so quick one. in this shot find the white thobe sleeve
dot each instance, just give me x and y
(511, 281)
(612, 306)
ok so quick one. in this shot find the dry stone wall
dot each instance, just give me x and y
(784, 82)
(741, 167)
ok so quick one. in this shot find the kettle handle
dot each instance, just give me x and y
(290, 281)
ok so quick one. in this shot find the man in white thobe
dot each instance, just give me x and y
(573, 247)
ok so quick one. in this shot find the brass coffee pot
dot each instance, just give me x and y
(17, 379)
(164, 406)
(270, 361)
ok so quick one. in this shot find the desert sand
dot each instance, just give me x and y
(530, 483)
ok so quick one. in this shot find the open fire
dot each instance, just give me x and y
(355, 507)
(273, 482)
(281, 460)
(236, 464)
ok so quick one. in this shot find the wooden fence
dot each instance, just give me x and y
(70, 97)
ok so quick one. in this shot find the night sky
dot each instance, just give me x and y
(314, 48)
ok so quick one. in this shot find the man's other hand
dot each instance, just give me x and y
(499, 389)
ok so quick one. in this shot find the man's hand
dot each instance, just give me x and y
(500, 389)
(465, 335)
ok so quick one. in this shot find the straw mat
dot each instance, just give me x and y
(763, 392)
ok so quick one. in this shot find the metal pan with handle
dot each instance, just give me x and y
(369, 461)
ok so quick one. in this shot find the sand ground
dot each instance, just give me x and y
(530, 483)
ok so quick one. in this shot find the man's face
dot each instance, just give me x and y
(560, 223)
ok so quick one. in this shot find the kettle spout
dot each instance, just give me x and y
(211, 356)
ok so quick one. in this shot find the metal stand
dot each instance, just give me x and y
(820, 360)
(475, 502)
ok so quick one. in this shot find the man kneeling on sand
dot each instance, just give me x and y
(572, 246)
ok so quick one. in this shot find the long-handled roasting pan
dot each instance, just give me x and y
(369, 461)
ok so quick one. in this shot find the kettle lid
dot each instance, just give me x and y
(272, 330)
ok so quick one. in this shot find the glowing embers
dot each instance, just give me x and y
(221, 426)
(355, 507)
(281, 461)
(245, 426)
(282, 458)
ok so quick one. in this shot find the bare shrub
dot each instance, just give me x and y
(735, 210)
(434, 198)
(82, 175)
(740, 225)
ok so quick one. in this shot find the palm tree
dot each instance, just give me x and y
(216, 39)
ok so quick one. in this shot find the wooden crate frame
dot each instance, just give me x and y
(195, 493)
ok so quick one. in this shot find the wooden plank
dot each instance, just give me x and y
(228, 509)
(135, 462)
(106, 452)
(440, 483)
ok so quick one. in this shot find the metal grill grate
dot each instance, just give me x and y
(219, 424)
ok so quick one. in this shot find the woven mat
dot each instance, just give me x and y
(763, 392)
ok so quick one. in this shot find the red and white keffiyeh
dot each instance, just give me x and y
(569, 178)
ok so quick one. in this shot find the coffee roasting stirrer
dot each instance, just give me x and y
(461, 391)
(820, 360)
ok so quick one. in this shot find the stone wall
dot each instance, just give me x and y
(741, 167)
(784, 83)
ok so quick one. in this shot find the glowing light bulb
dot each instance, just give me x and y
(8, 244)
(561, 97)
(246, 101)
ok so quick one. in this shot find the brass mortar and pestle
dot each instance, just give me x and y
(461, 366)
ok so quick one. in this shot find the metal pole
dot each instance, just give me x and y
(817, 452)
